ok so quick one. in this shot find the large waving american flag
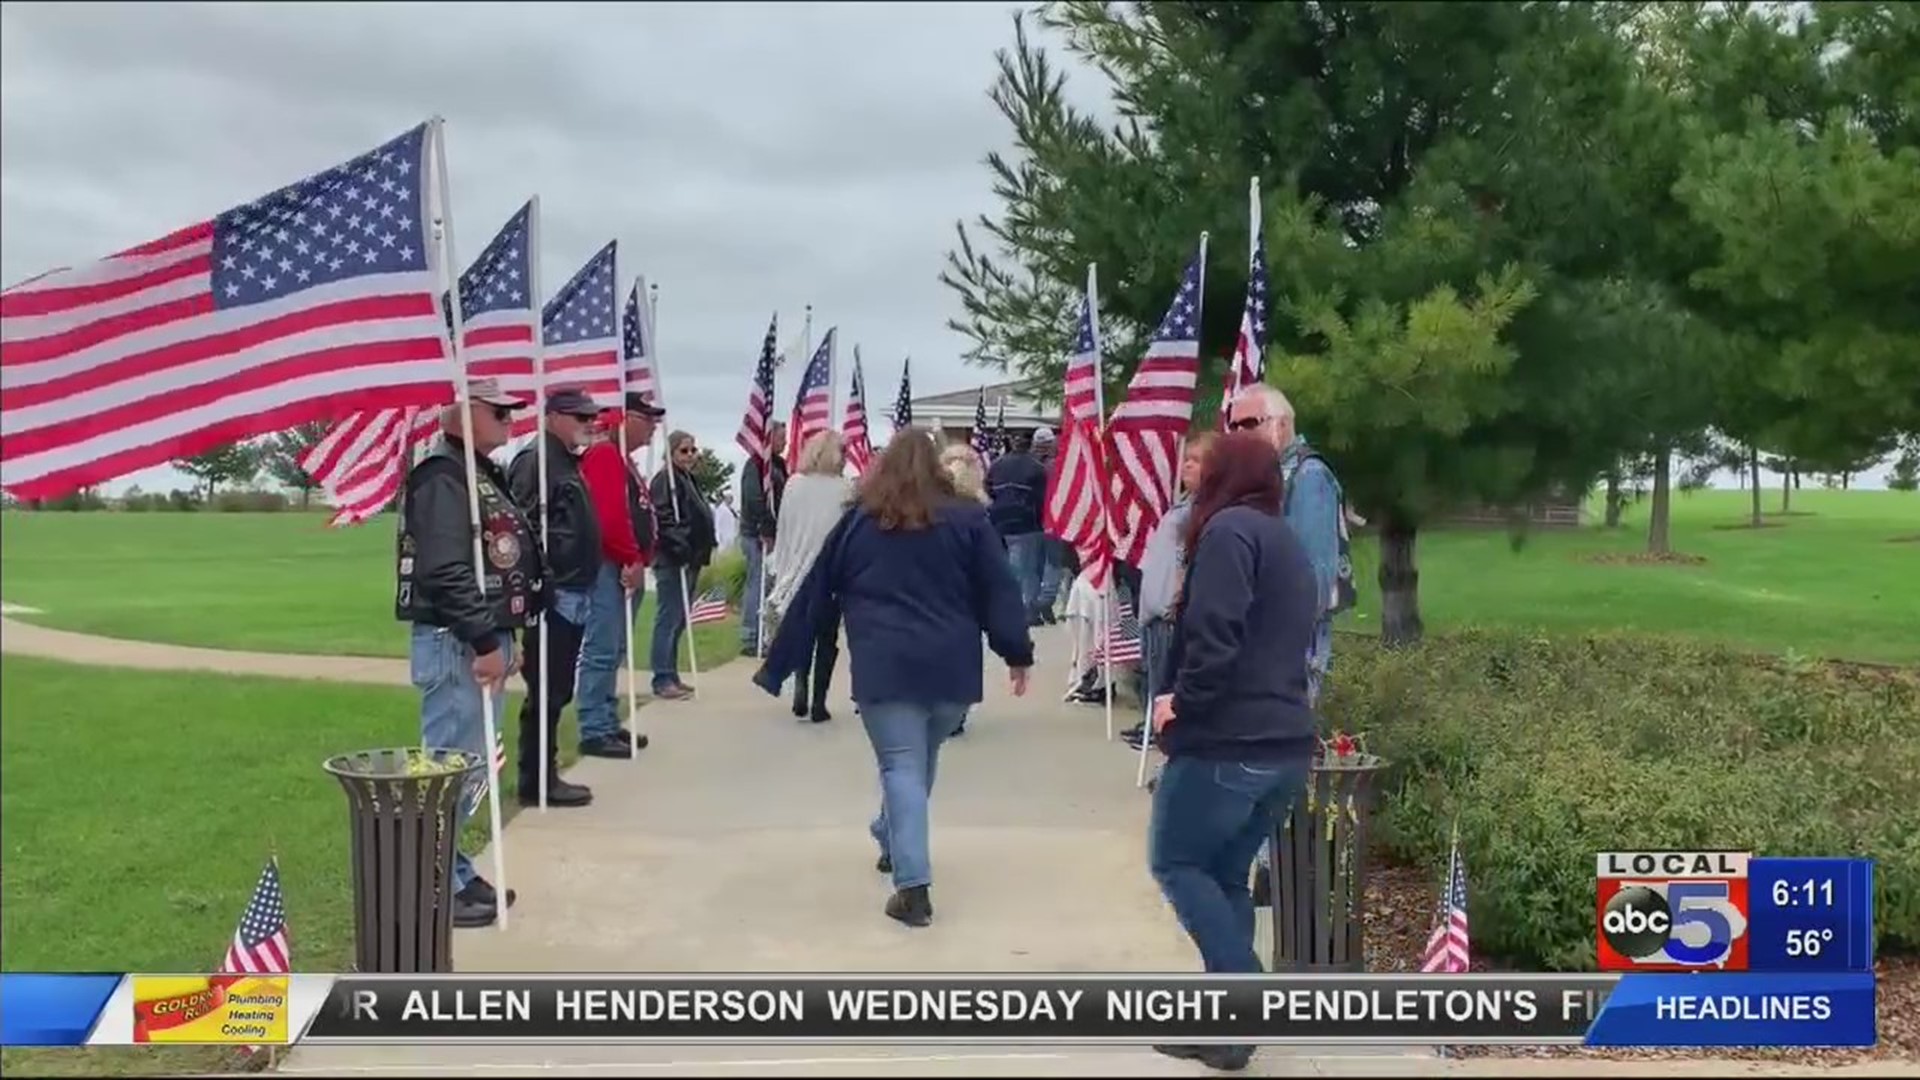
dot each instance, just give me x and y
(636, 343)
(1077, 490)
(1248, 366)
(754, 423)
(1147, 428)
(582, 336)
(853, 427)
(813, 404)
(310, 302)
(361, 461)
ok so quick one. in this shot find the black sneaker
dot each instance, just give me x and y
(885, 865)
(749, 650)
(559, 793)
(637, 742)
(1223, 1058)
(470, 911)
(911, 906)
(608, 746)
(483, 890)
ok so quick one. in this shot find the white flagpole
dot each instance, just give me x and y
(488, 720)
(540, 451)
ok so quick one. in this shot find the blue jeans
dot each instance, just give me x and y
(906, 738)
(1209, 818)
(450, 715)
(750, 595)
(602, 650)
(1053, 573)
(1027, 552)
(673, 588)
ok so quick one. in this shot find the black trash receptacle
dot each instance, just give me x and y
(1319, 870)
(403, 806)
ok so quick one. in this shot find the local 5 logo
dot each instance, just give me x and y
(1673, 925)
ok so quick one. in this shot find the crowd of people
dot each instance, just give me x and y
(921, 567)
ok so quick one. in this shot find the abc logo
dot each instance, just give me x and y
(1637, 922)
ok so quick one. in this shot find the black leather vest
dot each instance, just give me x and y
(513, 564)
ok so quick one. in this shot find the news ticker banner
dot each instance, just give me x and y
(1726, 1009)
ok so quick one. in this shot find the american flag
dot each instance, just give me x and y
(312, 301)
(853, 427)
(1122, 642)
(582, 336)
(1250, 348)
(636, 344)
(813, 402)
(360, 461)
(1001, 441)
(1447, 946)
(710, 606)
(1146, 429)
(481, 781)
(1076, 510)
(752, 436)
(980, 438)
(260, 945)
(903, 403)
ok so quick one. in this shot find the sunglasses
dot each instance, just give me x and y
(1248, 423)
(688, 450)
(502, 413)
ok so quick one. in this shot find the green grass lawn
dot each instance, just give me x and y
(1839, 577)
(266, 582)
(137, 832)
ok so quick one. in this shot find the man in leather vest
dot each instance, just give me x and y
(571, 540)
(462, 624)
(628, 531)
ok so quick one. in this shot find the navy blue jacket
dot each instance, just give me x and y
(1017, 491)
(1239, 653)
(914, 603)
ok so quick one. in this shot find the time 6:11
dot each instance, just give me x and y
(1809, 893)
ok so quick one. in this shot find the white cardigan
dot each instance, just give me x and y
(810, 507)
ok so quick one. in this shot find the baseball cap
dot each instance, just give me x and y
(489, 392)
(638, 402)
(571, 401)
(1043, 436)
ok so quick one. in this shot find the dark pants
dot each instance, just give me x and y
(563, 656)
(1209, 819)
(826, 654)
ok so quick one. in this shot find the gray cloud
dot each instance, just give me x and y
(747, 156)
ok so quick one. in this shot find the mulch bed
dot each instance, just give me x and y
(1400, 905)
(1646, 558)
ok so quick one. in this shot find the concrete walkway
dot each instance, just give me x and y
(737, 842)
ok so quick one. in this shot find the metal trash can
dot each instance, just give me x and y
(403, 805)
(1319, 867)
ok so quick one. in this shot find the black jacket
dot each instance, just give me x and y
(1239, 653)
(759, 504)
(687, 536)
(573, 531)
(436, 584)
(1016, 493)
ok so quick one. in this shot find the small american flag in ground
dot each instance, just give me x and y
(813, 404)
(903, 403)
(311, 302)
(710, 606)
(1122, 642)
(582, 336)
(1146, 429)
(853, 427)
(636, 343)
(260, 945)
(1447, 946)
(1077, 488)
(482, 781)
(752, 435)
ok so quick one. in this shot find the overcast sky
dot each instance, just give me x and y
(748, 157)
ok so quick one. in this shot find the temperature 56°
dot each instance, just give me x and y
(1807, 942)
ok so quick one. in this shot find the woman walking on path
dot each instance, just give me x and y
(918, 572)
(1236, 728)
(815, 501)
(686, 546)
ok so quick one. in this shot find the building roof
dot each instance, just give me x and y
(959, 405)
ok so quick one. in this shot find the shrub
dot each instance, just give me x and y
(250, 502)
(727, 571)
(1548, 751)
(182, 501)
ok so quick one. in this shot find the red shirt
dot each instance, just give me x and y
(607, 475)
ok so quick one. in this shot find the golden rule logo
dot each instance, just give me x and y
(210, 1010)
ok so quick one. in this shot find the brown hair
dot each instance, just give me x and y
(907, 483)
(1243, 469)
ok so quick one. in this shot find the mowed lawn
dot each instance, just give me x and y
(1840, 577)
(264, 582)
(142, 806)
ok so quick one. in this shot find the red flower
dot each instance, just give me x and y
(1343, 745)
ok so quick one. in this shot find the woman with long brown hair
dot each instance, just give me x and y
(917, 573)
(1237, 728)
